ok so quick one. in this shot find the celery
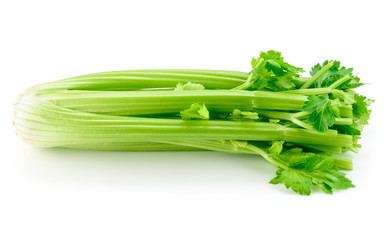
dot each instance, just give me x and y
(294, 122)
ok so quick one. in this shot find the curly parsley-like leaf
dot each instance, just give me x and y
(360, 107)
(274, 67)
(322, 117)
(276, 147)
(284, 84)
(333, 74)
(196, 111)
(294, 180)
(260, 79)
(275, 63)
(273, 73)
(307, 170)
(188, 86)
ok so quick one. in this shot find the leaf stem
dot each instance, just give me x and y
(310, 91)
(343, 121)
(339, 82)
(249, 81)
(317, 75)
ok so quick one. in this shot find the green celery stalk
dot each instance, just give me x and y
(133, 146)
(160, 102)
(188, 145)
(46, 124)
(146, 79)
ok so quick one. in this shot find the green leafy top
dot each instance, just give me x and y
(304, 171)
(335, 106)
(271, 72)
(298, 170)
(333, 74)
(325, 108)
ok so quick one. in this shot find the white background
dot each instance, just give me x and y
(75, 194)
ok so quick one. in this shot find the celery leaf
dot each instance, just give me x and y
(188, 86)
(196, 111)
(322, 117)
(307, 170)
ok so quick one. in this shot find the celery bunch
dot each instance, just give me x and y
(294, 122)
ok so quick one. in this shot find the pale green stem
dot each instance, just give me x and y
(344, 96)
(317, 75)
(339, 82)
(300, 114)
(310, 91)
(343, 121)
(249, 82)
(294, 117)
(302, 124)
